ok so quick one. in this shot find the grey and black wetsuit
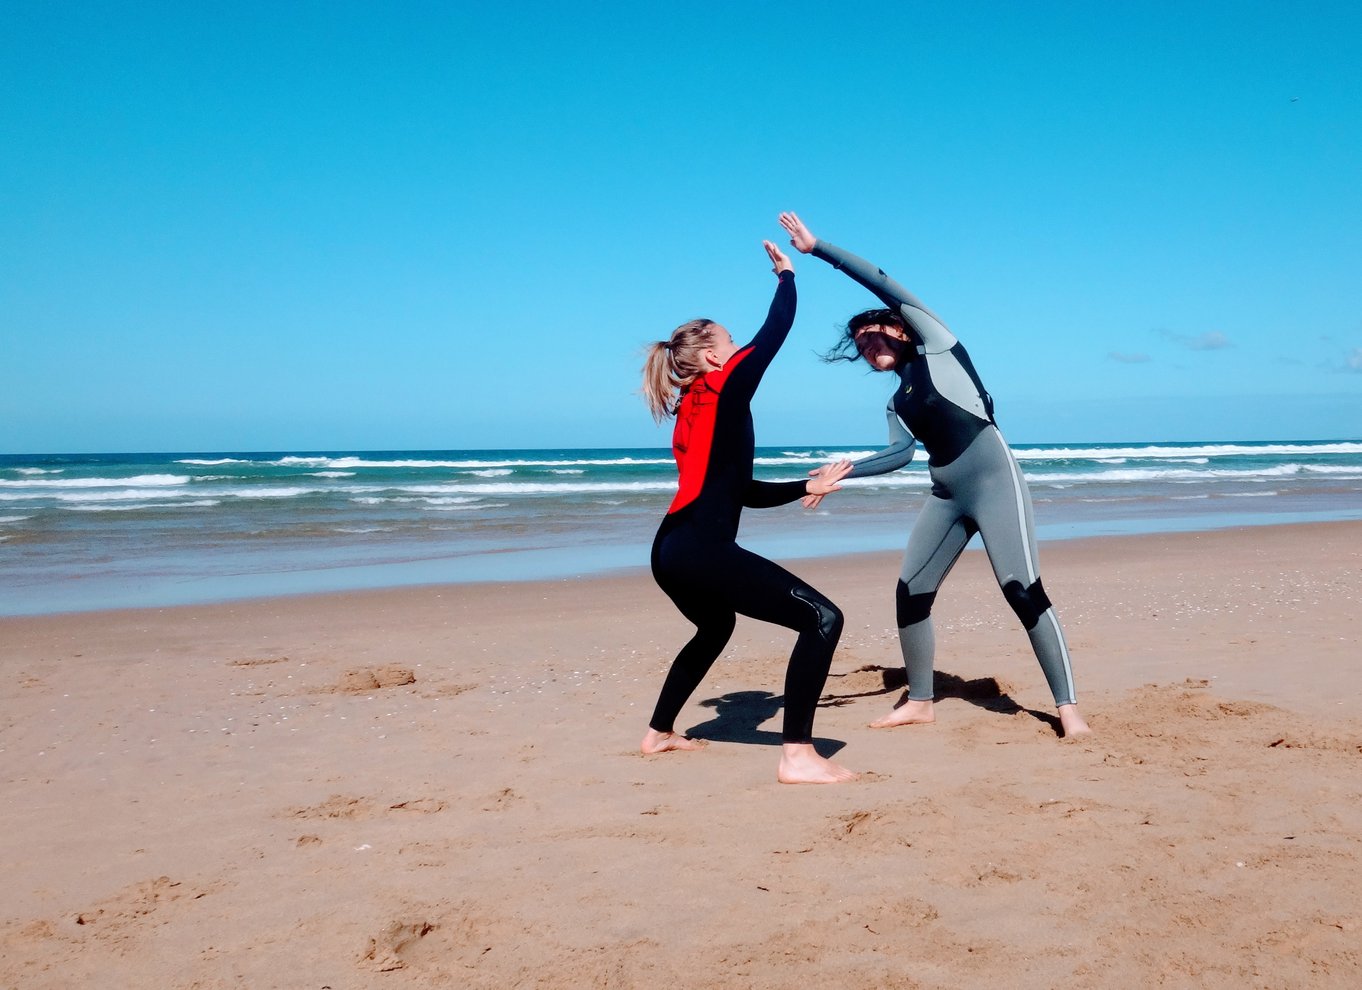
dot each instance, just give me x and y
(696, 559)
(977, 487)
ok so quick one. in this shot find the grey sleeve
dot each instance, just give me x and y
(902, 445)
(926, 324)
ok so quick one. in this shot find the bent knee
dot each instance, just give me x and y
(828, 617)
(1029, 603)
(910, 608)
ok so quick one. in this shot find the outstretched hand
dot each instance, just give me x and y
(824, 481)
(800, 236)
(779, 262)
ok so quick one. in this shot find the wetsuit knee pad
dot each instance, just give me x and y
(830, 618)
(1029, 603)
(910, 608)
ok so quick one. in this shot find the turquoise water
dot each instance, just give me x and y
(83, 532)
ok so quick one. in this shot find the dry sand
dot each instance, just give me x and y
(440, 787)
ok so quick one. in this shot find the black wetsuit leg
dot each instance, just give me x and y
(711, 581)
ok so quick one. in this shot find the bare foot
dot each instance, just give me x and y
(800, 764)
(1072, 723)
(908, 713)
(666, 742)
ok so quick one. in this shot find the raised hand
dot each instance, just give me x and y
(801, 237)
(779, 262)
(824, 481)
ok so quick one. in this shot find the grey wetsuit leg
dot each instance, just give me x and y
(935, 544)
(990, 483)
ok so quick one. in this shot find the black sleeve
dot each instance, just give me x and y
(766, 344)
(768, 494)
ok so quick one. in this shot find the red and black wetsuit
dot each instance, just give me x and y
(695, 558)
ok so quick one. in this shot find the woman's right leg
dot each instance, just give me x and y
(938, 538)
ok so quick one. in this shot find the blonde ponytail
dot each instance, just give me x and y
(669, 366)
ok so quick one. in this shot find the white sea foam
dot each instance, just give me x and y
(469, 463)
(35, 471)
(894, 479)
(291, 491)
(455, 508)
(491, 472)
(316, 462)
(426, 499)
(801, 459)
(1191, 474)
(822, 457)
(201, 503)
(119, 495)
(212, 463)
(1181, 453)
(542, 488)
(143, 480)
(13, 519)
(568, 471)
(331, 474)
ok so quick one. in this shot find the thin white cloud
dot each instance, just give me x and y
(1353, 362)
(1128, 358)
(1211, 340)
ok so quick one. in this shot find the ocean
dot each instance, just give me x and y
(81, 532)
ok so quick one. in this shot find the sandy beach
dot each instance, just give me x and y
(440, 787)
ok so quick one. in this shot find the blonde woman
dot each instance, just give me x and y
(701, 377)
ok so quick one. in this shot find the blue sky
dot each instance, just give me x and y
(262, 226)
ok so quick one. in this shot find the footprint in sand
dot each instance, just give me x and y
(386, 950)
(336, 806)
(427, 806)
(340, 806)
(364, 679)
(502, 800)
(256, 661)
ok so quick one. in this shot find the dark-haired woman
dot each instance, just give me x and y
(977, 486)
(707, 382)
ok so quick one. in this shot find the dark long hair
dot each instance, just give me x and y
(845, 348)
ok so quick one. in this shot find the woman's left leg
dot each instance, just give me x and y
(1000, 503)
(754, 586)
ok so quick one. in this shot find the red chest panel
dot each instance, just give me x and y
(693, 437)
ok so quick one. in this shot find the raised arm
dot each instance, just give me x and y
(756, 357)
(922, 321)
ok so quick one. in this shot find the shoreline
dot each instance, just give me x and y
(318, 789)
(836, 561)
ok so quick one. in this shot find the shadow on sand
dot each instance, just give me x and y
(984, 692)
(738, 716)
